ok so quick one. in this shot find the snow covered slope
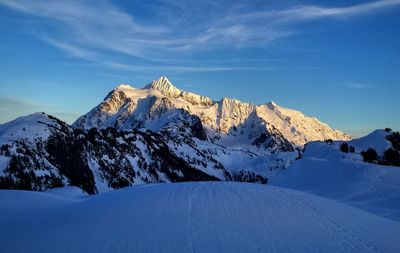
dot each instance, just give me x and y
(23, 162)
(27, 128)
(14, 200)
(376, 139)
(326, 171)
(38, 152)
(197, 217)
(228, 122)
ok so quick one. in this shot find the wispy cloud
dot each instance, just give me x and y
(98, 59)
(269, 25)
(12, 107)
(356, 85)
(94, 31)
(68, 117)
(74, 51)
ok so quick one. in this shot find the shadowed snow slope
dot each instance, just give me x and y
(27, 200)
(376, 139)
(198, 217)
(326, 171)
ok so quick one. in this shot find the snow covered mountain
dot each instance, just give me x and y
(38, 152)
(228, 122)
(160, 134)
(155, 134)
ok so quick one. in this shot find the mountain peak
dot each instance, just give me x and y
(129, 104)
(28, 127)
(271, 104)
(124, 87)
(164, 86)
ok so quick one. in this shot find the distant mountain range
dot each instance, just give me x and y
(156, 134)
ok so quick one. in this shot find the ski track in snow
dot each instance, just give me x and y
(224, 230)
(190, 219)
(196, 217)
(338, 231)
(341, 233)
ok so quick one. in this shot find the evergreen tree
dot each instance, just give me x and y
(391, 157)
(394, 138)
(344, 147)
(329, 141)
(370, 155)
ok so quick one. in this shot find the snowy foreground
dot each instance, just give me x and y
(326, 171)
(190, 217)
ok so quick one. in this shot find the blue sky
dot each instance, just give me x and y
(336, 60)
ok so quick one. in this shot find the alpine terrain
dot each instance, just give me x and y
(155, 134)
(292, 184)
(101, 154)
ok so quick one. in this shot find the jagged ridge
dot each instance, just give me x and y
(220, 118)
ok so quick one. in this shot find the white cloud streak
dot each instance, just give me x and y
(100, 32)
(10, 107)
(356, 85)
